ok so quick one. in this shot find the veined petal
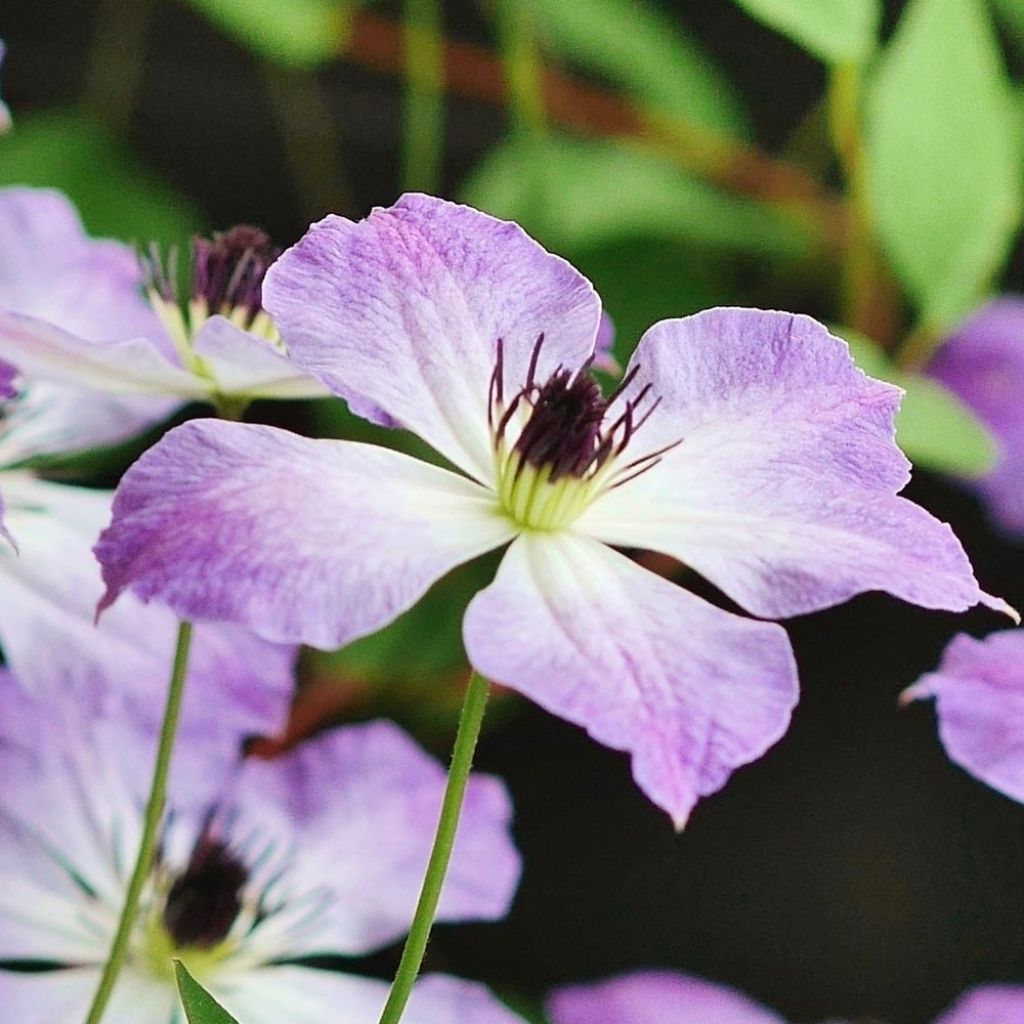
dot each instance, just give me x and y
(690, 691)
(318, 541)
(358, 808)
(987, 1004)
(43, 997)
(655, 997)
(782, 489)
(129, 367)
(983, 363)
(243, 364)
(401, 313)
(979, 696)
(304, 995)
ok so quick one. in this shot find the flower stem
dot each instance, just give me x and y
(423, 142)
(150, 829)
(470, 720)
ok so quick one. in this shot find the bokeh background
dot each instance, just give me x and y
(678, 152)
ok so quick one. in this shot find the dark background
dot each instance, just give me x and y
(851, 872)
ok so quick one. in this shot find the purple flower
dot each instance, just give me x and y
(979, 696)
(320, 852)
(91, 318)
(983, 363)
(744, 443)
(665, 997)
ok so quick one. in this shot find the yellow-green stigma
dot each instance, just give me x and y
(227, 274)
(565, 453)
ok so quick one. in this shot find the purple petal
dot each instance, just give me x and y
(655, 997)
(690, 691)
(318, 541)
(8, 374)
(982, 362)
(247, 365)
(237, 684)
(401, 314)
(979, 694)
(302, 995)
(604, 358)
(987, 1004)
(360, 806)
(782, 489)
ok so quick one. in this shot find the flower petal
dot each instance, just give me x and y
(318, 541)
(987, 1004)
(401, 313)
(691, 691)
(782, 491)
(979, 694)
(243, 364)
(983, 363)
(358, 807)
(303, 995)
(656, 997)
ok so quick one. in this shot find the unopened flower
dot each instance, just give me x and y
(92, 317)
(667, 997)
(744, 443)
(318, 853)
(979, 699)
(983, 363)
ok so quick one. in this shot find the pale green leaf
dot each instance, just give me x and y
(572, 194)
(116, 196)
(200, 1006)
(837, 31)
(635, 44)
(296, 33)
(944, 155)
(934, 428)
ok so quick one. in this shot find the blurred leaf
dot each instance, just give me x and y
(944, 155)
(573, 193)
(116, 197)
(1011, 13)
(934, 428)
(635, 44)
(200, 1006)
(296, 33)
(837, 31)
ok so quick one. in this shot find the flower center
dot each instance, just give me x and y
(227, 274)
(569, 443)
(194, 917)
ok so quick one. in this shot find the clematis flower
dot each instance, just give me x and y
(983, 363)
(744, 443)
(91, 317)
(665, 997)
(320, 852)
(979, 698)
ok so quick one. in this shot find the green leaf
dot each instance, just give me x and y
(295, 33)
(837, 31)
(200, 1006)
(934, 428)
(944, 156)
(573, 193)
(116, 196)
(637, 46)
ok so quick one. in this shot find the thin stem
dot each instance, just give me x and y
(150, 829)
(116, 60)
(470, 720)
(423, 145)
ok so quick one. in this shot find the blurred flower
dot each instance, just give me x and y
(91, 317)
(983, 363)
(979, 696)
(320, 852)
(5, 114)
(666, 997)
(744, 443)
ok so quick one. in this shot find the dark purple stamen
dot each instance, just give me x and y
(228, 269)
(205, 899)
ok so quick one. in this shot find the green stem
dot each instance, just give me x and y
(150, 829)
(470, 720)
(116, 60)
(423, 148)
